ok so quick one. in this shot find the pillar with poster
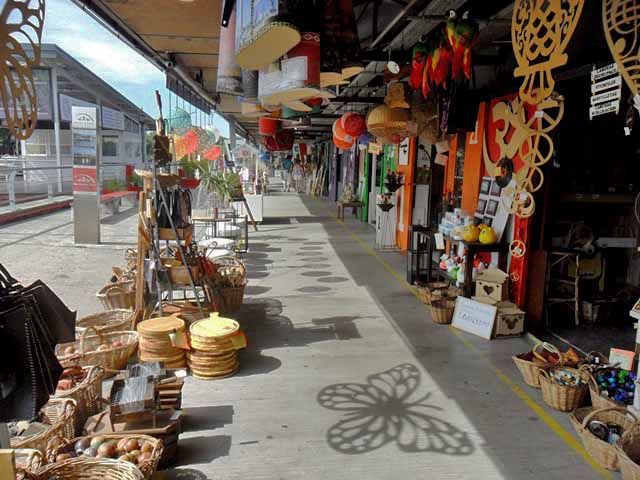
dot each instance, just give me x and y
(86, 175)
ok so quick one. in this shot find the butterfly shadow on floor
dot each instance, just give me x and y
(388, 410)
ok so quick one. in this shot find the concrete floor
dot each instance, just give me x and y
(345, 376)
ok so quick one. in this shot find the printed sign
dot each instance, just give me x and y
(112, 119)
(375, 148)
(602, 72)
(606, 84)
(84, 118)
(66, 102)
(474, 317)
(603, 108)
(85, 179)
(606, 96)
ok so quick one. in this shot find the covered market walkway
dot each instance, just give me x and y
(345, 375)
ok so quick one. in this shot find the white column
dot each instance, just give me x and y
(56, 124)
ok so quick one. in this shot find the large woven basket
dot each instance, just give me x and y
(232, 298)
(85, 468)
(118, 295)
(28, 462)
(597, 400)
(88, 396)
(561, 397)
(111, 359)
(147, 467)
(529, 364)
(59, 413)
(107, 322)
(442, 311)
(431, 291)
(603, 452)
(628, 450)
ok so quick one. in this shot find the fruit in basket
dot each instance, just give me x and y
(102, 347)
(65, 384)
(81, 445)
(107, 450)
(96, 442)
(147, 447)
(132, 445)
(70, 350)
(90, 452)
(144, 456)
(117, 344)
(61, 457)
(127, 458)
(122, 445)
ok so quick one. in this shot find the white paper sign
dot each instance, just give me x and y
(439, 238)
(602, 72)
(474, 317)
(84, 118)
(606, 96)
(606, 84)
(603, 108)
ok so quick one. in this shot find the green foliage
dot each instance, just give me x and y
(114, 185)
(135, 180)
(212, 179)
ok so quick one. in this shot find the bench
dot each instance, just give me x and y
(113, 200)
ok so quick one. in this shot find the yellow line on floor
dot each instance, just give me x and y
(538, 409)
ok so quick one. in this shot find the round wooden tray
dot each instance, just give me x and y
(206, 364)
(209, 375)
(214, 328)
(161, 327)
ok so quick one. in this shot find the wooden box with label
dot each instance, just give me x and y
(509, 320)
(492, 283)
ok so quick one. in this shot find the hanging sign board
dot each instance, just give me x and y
(474, 317)
(609, 107)
(606, 84)
(603, 72)
(84, 118)
(112, 119)
(606, 96)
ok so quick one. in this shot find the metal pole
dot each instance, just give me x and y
(56, 123)
(12, 189)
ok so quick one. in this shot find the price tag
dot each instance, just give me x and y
(439, 241)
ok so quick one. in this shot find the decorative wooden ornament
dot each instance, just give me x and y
(383, 121)
(20, 22)
(396, 96)
(621, 21)
(540, 33)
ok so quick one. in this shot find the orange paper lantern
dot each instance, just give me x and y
(268, 126)
(353, 124)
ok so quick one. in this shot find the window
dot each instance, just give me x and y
(128, 150)
(109, 146)
(37, 143)
(131, 126)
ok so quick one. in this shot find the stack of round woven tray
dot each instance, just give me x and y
(213, 354)
(156, 344)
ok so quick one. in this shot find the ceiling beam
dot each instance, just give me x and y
(401, 15)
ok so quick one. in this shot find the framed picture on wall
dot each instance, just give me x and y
(482, 206)
(485, 186)
(492, 207)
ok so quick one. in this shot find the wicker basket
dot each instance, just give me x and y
(431, 291)
(442, 311)
(112, 359)
(232, 298)
(118, 295)
(60, 414)
(628, 450)
(147, 467)
(603, 452)
(85, 468)
(597, 400)
(28, 462)
(561, 397)
(88, 396)
(529, 364)
(106, 322)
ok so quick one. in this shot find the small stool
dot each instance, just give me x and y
(356, 205)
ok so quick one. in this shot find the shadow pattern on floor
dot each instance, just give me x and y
(384, 411)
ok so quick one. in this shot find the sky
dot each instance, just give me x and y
(116, 63)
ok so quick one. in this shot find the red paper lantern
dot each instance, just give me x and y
(303, 149)
(285, 139)
(340, 134)
(268, 126)
(340, 144)
(353, 124)
(270, 144)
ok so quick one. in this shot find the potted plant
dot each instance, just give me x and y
(113, 185)
(134, 182)
(187, 171)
